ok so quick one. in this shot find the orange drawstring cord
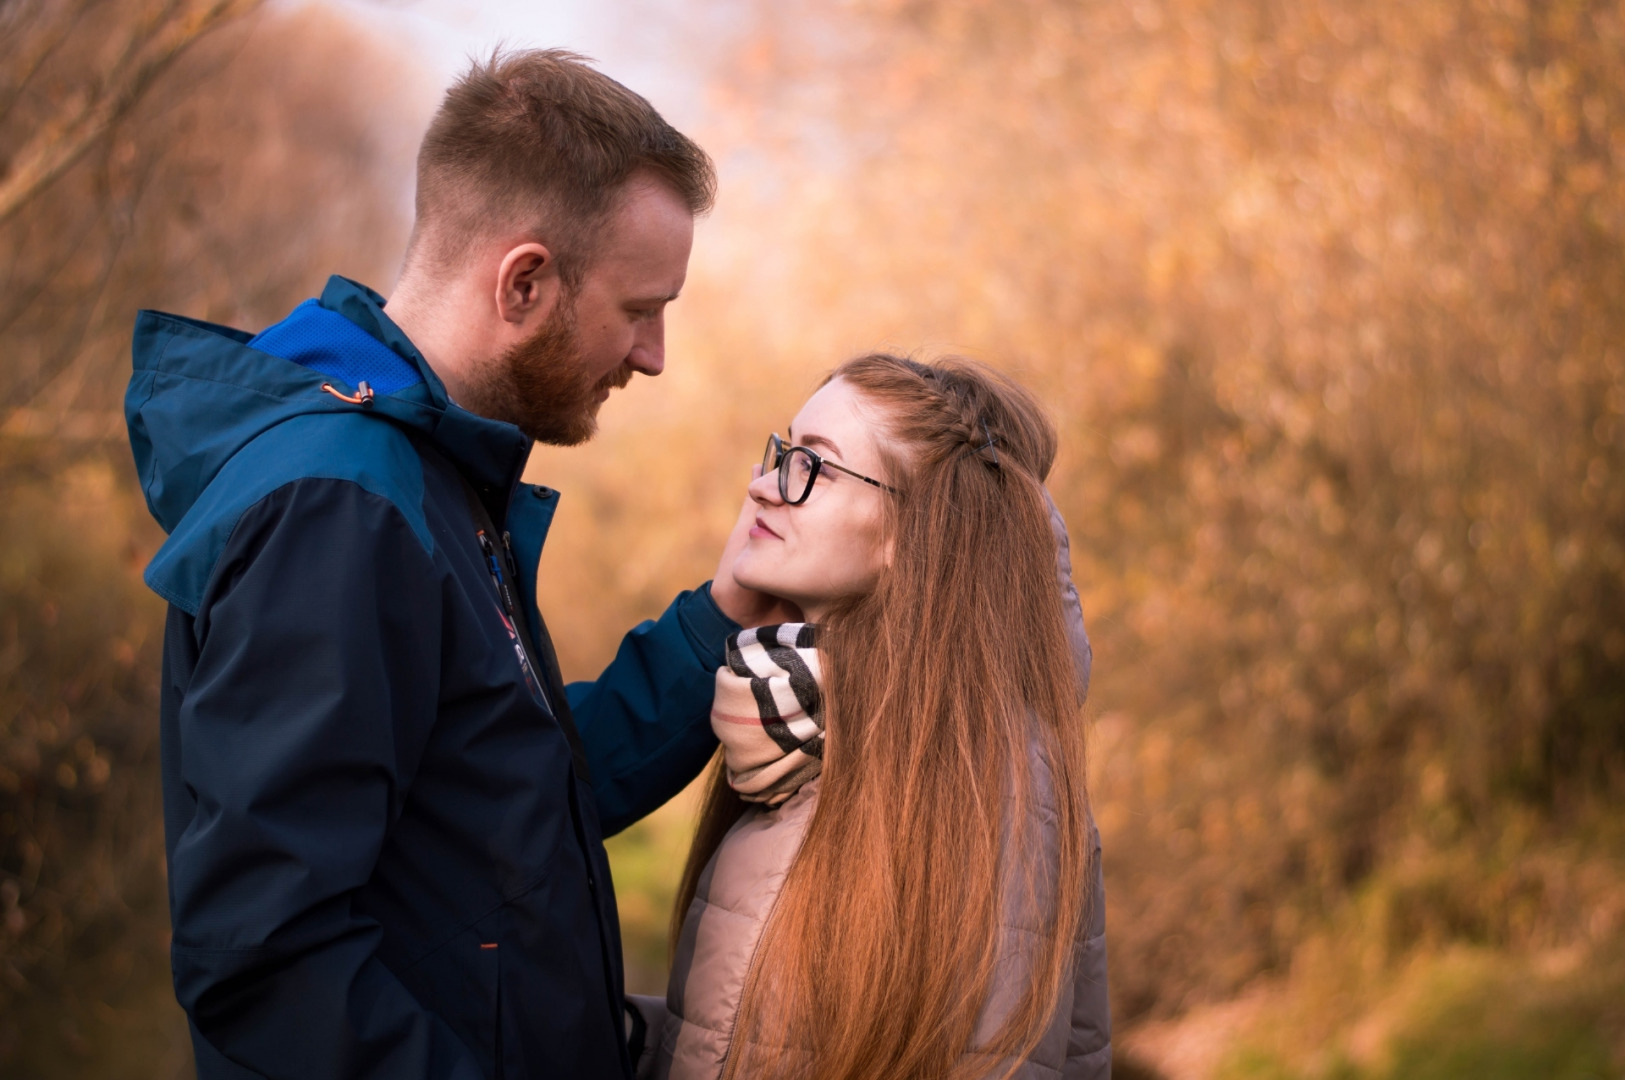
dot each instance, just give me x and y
(362, 398)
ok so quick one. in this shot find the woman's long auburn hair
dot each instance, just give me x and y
(941, 687)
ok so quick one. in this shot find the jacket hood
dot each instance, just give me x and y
(200, 393)
(219, 420)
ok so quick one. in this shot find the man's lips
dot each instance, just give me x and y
(615, 380)
(760, 530)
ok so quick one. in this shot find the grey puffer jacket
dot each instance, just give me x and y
(689, 1033)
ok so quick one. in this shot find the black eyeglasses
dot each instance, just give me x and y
(798, 468)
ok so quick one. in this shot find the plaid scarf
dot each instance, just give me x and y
(768, 711)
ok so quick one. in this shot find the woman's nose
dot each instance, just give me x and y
(764, 487)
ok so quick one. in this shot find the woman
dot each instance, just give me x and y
(891, 874)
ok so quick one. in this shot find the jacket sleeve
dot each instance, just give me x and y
(1089, 1047)
(1072, 606)
(645, 722)
(313, 692)
(1077, 1043)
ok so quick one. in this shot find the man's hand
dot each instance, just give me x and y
(747, 607)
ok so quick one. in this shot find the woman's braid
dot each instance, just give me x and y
(953, 409)
(956, 400)
(965, 419)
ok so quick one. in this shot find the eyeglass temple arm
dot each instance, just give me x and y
(860, 476)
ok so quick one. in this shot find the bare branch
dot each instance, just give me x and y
(28, 64)
(56, 146)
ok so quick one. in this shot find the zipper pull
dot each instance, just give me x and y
(364, 396)
(504, 593)
(490, 556)
(507, 549)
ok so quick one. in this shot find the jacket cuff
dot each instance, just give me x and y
(705, 626)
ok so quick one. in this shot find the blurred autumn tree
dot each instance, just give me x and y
(66, 110)
(223, 183)
(1327, 300)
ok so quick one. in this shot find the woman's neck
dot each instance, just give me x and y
(816, 612)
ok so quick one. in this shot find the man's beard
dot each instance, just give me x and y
(540, 386)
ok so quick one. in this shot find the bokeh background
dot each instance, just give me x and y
(1327, 299)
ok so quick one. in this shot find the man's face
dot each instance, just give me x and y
(552, 384)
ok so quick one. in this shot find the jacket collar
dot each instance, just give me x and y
(200, 393)
(491, 452)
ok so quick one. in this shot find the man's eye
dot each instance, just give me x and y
(644, 314)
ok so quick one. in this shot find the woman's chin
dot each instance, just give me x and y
(755, 572)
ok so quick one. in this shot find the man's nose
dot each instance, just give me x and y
(648, 353)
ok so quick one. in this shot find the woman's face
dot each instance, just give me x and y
(830, 547)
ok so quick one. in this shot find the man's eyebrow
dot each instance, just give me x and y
(647, 301)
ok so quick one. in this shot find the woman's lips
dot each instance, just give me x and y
(760, 530)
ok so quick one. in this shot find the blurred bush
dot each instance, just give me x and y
(81, 851)
(1326, 299)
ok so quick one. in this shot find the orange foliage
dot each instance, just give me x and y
(1326, 299)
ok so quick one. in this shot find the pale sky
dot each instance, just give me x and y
(631, 40)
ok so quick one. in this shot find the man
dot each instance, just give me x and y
(383, 812)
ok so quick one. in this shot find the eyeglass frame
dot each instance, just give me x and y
(780, 452)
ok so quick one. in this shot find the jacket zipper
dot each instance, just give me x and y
(495, 568)
(581, 839)
(575, 809)
(511, 607)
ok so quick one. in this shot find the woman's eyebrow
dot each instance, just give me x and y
(819, 440)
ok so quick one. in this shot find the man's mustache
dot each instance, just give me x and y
(616, 379)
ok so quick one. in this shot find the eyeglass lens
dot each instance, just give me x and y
(797, 468)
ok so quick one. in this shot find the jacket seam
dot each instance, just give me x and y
(256, 391)
(189, 377)
(237, 521)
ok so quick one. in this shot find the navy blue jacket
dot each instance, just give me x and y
(384, 857)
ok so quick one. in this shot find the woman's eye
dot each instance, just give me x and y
(803, 467)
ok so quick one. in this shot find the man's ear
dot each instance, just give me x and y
(528, 285)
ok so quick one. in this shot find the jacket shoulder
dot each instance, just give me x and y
(366, 450)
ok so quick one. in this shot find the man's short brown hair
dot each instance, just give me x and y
(539, 141)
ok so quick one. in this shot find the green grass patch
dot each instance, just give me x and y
(1471, 1015)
